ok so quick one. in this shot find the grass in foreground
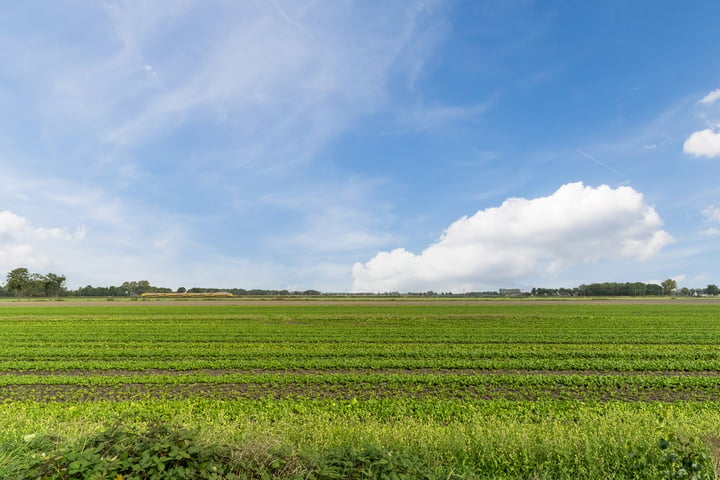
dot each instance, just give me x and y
(355, 439)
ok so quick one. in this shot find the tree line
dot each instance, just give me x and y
(20, 282)
(628, 289)
(132, 289)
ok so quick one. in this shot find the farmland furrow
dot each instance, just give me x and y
(135, 392)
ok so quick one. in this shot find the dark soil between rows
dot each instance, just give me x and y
(133, 392)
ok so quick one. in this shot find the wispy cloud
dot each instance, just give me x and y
(602, 164)
(353, 222)
(159, 115)
(247, 68)
(711, 97)
(439, 117)
(712, 213)
(269, 84)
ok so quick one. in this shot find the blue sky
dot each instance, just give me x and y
(361, 145)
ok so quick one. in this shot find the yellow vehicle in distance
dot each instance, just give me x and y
(188, 295)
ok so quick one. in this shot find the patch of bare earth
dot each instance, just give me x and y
(229, 391)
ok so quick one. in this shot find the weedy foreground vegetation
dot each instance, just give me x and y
(335, 391)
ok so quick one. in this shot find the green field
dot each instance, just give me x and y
(337, 390)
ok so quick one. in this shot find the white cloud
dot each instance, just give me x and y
(711, 97)
(21, 242)
(16, 227)
(712, 213)
(424, 117)
(705, 143)
(283, 76)
(577, 224)
(354, 221)
(124, 103)
(701, 278)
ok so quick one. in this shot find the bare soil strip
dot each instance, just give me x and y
(134, 392)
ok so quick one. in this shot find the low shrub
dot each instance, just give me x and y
(161, 452)
(157, 453)
(370, 462)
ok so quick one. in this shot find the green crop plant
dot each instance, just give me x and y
(442, 391)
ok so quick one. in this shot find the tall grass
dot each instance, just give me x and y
(494, 439)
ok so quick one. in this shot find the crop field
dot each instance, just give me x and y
(480, 390)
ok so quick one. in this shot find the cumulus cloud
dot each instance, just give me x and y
(711, 97)
(577, 224)
(705, 143)
(19, 240)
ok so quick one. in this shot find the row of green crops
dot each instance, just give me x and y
(338, 355)
(514, 336)
(508, 323)
(511, 390)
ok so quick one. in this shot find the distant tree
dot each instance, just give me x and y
(544, 292)
(669, 286)
(607, 289)
(89, 291)
(181, 290)
(52, 285)
(636, 289)
(129, 288)
(36, 287)
(18, 281)
(712, 290)
(653, 289)
(22, 283)
(143, 286)
(114, 291)
(132, 289)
